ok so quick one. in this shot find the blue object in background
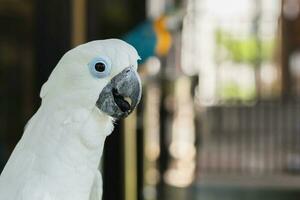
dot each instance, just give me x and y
(144, 39)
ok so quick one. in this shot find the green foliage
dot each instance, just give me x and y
(245, 50)
(232, 91)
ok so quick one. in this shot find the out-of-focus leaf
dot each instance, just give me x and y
(245, 50)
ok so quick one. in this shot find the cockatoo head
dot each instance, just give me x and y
(100, 74)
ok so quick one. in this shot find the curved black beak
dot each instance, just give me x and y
(121, 95)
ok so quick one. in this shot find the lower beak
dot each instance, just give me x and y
(121, 95)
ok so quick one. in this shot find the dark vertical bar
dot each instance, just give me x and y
(218, 137)
(261, 134)
(242, 145)
(258, 148)
(297, 131)
(286, 49)
(252, 116)
(140, 151)
(278, 149)
(270, 153)
(53, 36)
(240, 142)
(276, 144)
(164, 156)
(138, 15)
(204, 154)
(93, 21)
(287, 133)
(223, 140)
(228, 137)
(113, 178)
(263, 141)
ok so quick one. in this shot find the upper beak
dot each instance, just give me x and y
(121, 95)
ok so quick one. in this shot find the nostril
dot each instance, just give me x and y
(128, 70)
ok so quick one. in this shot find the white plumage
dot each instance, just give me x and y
(58, 155)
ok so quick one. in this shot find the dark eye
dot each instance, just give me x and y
(100, 67)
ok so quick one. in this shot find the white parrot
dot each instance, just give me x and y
(58, 155)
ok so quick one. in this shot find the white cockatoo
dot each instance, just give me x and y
(58, 155)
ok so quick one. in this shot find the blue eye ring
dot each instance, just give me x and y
(100, 67)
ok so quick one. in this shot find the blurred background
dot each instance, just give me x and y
(219, 117)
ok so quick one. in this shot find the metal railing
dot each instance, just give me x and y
(259, 139)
